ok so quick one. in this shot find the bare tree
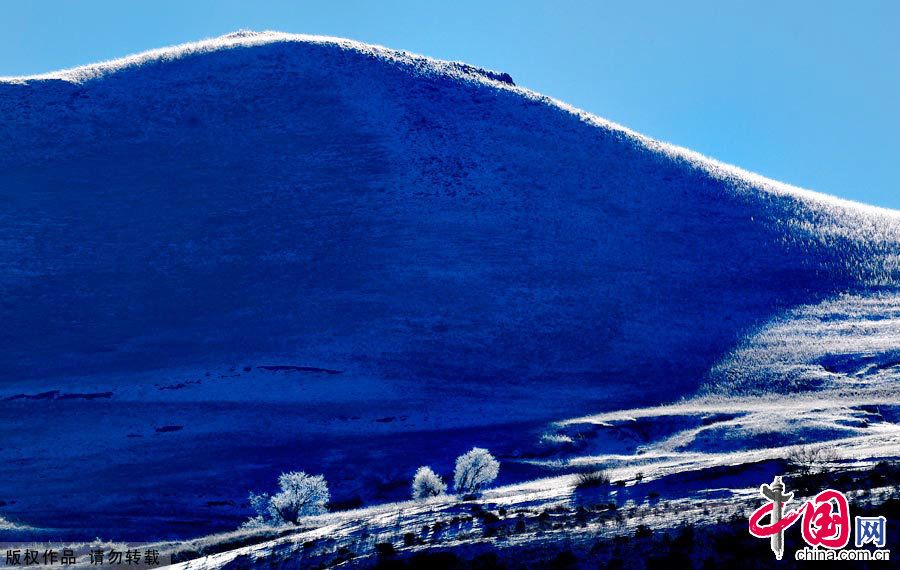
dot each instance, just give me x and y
(810, 460)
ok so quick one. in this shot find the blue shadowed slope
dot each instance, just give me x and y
(458, 252)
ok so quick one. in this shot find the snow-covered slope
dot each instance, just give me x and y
(252, 241)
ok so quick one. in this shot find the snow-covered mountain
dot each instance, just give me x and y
(269, 251)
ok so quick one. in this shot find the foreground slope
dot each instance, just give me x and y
(255, 242)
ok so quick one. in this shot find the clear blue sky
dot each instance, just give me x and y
(807, 92)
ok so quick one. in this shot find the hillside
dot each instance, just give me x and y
(267, 251)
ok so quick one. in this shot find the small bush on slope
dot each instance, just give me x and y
(809, 460)
(592, 479)
(426, 483)
(475, 470)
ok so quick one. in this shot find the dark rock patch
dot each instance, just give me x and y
(40, 396)
(220, 503)
(177, 386)
(56, 395)
(86, 396)
(289, 368)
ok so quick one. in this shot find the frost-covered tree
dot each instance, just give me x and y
(300, 495)
(427, 483)
(475, 470)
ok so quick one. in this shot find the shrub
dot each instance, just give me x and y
(385, 549)
(808, 460)
(255, 523)
(592, 479)
(259, 503)
(300, 495)
(475, 470)
(885, 472)
(426, 483)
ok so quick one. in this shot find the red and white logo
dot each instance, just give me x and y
(825, 519)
